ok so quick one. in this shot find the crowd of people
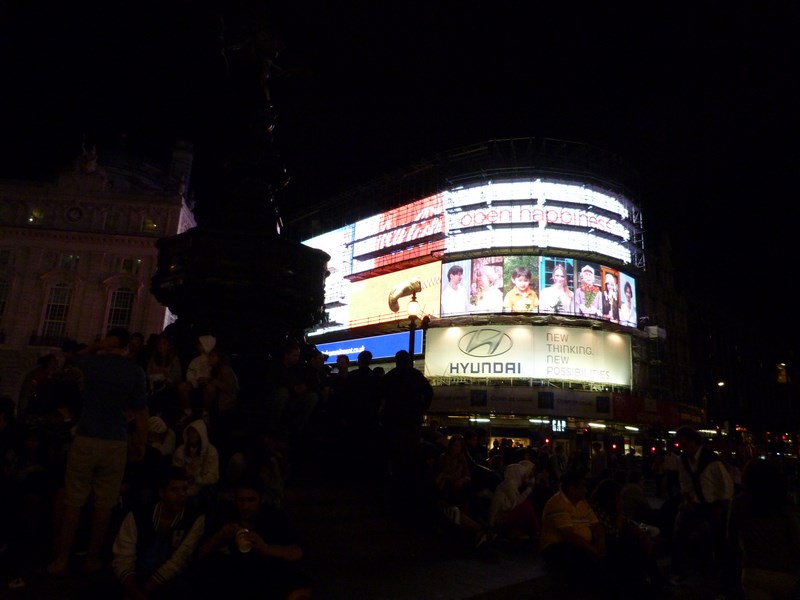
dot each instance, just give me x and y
(707, 516)
(119, 460)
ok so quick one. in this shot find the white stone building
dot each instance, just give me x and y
(77, 254)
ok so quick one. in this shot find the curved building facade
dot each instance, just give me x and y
(527, 269)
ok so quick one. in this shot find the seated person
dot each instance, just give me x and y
(453, 477)
(573, 540)
(631, 545)
(200, 459)
(198, 373)
(289, 404)
(438, 506)
(251, 546)
(141, 480)
(634, 499)
(512, 513)
(160, 436)
(155, 544)
(164, 376)
(221, 391)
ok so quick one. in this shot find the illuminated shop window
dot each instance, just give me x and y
(149, 225)
(120, 309)
(55, 316)
(36, 216)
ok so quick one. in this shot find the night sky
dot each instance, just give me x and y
(700, 98)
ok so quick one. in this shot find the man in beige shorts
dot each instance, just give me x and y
(114, 388)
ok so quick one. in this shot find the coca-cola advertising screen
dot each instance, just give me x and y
(412, 232)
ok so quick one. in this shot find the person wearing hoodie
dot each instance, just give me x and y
(198, 373)
(160, 436)
(200, 459)
(511, 512)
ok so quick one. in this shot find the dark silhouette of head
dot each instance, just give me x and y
(402, 358)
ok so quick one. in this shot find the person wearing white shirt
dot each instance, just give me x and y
(455, 297)
(557, 298)
(707, 490)
(627, 310)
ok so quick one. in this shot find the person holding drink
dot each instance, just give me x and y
(251, 545)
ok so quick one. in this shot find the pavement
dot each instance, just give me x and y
(356, 548)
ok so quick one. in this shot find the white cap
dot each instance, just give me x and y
(156, 425)
(208, 342)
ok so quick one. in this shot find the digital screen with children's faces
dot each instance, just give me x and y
(538, 284)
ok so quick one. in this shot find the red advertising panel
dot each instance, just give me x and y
(413, 231)
(637, 409)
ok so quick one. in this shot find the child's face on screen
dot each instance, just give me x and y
(522, 283)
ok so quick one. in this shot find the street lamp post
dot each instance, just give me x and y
(413, 313)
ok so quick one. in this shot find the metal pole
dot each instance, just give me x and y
(411, 328)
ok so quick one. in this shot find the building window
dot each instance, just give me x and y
(119, 313)
(113, 221)
(70, 261)
(149, 225)
(3, 296)
(55, 317)
(36, 216)
(131, 265)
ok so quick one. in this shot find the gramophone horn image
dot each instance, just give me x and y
(403, 289)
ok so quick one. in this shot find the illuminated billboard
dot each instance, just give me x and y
(381, 346)
(413, 231)
(539, 214)
(366, 302)
(538, 284)
(542, 215)
(521, 351)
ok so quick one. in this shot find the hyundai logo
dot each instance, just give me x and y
(485, 343)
